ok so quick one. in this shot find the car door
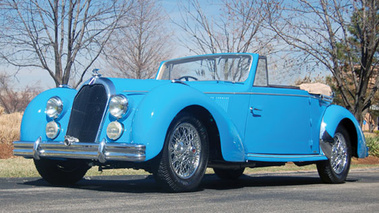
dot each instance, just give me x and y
(279, 119)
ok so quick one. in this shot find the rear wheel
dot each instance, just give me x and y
(336, 169)
(184, 156)
(59, 172)
(229, 174)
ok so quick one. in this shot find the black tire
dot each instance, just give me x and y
(58, 172)
(184, 157)
(336, 169)
(229, 174)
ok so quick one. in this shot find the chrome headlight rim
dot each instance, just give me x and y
(118, 106)
(54, 107)
(52, 130)
(114, 130)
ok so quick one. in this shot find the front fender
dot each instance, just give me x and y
(335, 115)
(160, 106)
(34, 119)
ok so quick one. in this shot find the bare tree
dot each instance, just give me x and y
(238, 28)
(137, 50)
(323, 30)
(62, 37)
(12, 100)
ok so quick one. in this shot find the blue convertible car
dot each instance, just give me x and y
(216, 111)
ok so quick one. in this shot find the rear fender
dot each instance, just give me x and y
(160, 106)
(333, 117)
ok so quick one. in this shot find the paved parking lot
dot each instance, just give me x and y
(279, 192)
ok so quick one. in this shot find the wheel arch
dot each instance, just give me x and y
(349, 126)
(208, 121)
(334, 117)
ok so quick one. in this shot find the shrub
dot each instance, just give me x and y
(373, 144)
(9, 132)
(12, 100)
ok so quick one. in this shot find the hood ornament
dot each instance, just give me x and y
(95, 73)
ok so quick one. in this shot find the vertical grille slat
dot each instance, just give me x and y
(87, 112)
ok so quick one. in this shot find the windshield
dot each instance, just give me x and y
(207, 68)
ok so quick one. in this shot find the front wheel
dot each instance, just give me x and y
(59, 172)
(336, 169)
(184, 156)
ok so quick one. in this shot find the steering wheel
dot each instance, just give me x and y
(187, 77)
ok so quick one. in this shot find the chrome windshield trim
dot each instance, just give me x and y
(159, 75)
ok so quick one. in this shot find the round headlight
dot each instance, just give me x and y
(114, 130)
(118, 105)
(54, 107)
(52, 129)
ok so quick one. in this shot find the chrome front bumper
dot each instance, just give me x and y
(102, 151)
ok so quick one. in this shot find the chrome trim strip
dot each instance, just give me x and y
(285, 157)
(91, 151)
(135, 91)
(254, 93)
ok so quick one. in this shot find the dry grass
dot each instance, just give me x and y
(17, 167)
(9, 132)
(21, 167)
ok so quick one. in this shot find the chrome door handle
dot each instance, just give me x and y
(252, 109)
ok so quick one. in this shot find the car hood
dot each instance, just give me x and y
(122, 85)
(136, 85)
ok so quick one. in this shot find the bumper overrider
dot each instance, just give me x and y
(101, 152)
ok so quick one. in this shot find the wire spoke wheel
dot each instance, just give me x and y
(336, 169)
(185, 150)
(184, 157)
(339, 156)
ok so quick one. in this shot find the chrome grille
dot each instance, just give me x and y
(87, 112)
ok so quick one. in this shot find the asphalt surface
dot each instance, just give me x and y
(279, 192)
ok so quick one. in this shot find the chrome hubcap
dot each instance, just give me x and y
(184, 150)
(339, 156)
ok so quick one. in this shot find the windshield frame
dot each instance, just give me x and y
(162, 66)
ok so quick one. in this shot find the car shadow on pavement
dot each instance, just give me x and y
(147, 184)
(265, 180)
(127, 184)
(214, 182)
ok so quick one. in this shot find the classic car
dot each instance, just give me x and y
(218, 111)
